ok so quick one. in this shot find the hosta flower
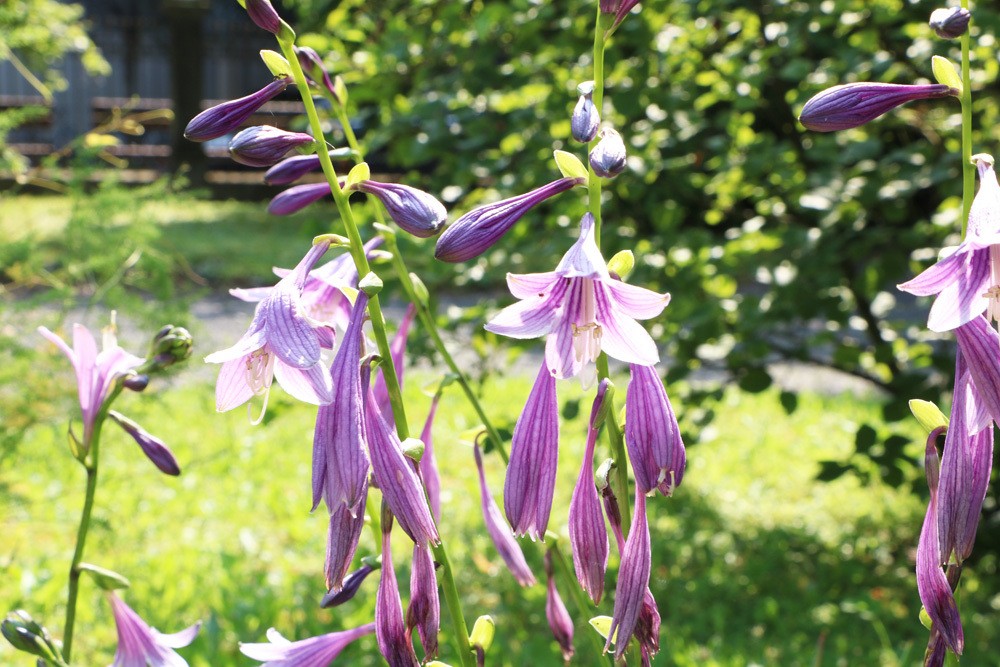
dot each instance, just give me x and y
(350, 585)
(393, 640)
(263, 145)
(313, 67)
(586, 118)
(140, 645)
(617, 8)
(499, 531)
(262, 13)
(397, 350)
(297, 197)
(96, 372)
(951, 22)
(652, 435)
(607, 159)
(967, 282)
(424, 612)
(281, 342)
(854, 104)
(313, 652)
(292, 169)
(582, 310)
(228, 116)
(555, 612)
(633, 579)
(155, 449)
(415, 211)
(428, 463)
(343, 534)
(587, 535)
(979, 342)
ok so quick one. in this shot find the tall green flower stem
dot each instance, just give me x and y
(90, 462)
(968, 169)
(460, 629)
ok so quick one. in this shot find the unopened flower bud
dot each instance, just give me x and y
(154, 448)
(293, 168)
(263, 145)
(950, 23)
(608, 157)
(26, 634)
(555, 612)
(298, 197)
(352, 582)
(262, 13)
(136, 383)
(483, 631)
(854, 104)
(170, 345)
(313, 66)
(616, 11)
(228, 116)
(586, 118)
(415, 211)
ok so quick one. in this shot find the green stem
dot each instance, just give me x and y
(968, 169)
(594, 181)
(619, 476)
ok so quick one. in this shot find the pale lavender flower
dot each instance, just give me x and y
(951, 22)
(227, 117)
(313, 652)
(140, 645)
(500, 532)
(281, 342)
(155, 449)
(350, 585)
(428, 463)
(607, 158)
(343, 534)
(582, 310)
(297, 197)
(652, 434)
(415, 211)
(587, 534)
(633, 579)
(586, 118)
(424, 612)
(854, 104)
(475, 232)
(264, 145)
(397, 350)
(262, 13)
(96, 372)
(393, 639)
(555, 612)
(967, 282)
(534, 454)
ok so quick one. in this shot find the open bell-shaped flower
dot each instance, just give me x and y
(227, 117)
(312, 652)
(652, 435)
(499, 531)
(415, 211)
(854, 104)
(140, 645)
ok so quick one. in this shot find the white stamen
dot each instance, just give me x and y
(260, 370)
(587, 332)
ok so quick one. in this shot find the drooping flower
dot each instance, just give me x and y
(393, 639)
(424, 612)
(499, 531)
(652, 435)
(534, 454)
(343, 534)
(854, 104)
(313, 652)
(586, 118)
(967, 282)
(979, 342)
(155, 449)
(228, 116)
(140, 645)
(96, 372)
(607, 159)
(555, 612)
(264, 145)
(475, 232)
(587, 535)
(415, 211)
(281, 342)
(582, 310)
(950, 22)
(633, 579)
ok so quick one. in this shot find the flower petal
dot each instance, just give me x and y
(309, 385)
(636, 302)
(584, 259)
(528, 285)
(530, 318)
(622, 337)
(289, 334)
(232, 388)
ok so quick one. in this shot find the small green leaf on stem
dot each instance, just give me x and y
(419, 289)
(928, 414)
(276, 63)
(603, 625)
(622, 264)
(482, 633)
(946, 73)
(570, 165)
(360, 172)
(106, 579)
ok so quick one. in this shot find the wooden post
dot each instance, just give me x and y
(187, 50)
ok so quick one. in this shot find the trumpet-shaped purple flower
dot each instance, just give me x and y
(586, 118)
(534, 455)
(263, 145)
(500, 533)
(393, 639)
(155, 449)
(96, 372)
(652, 434)
(587, 535)
(967, 282)
(424, 612)
(607, 159)
(313, 652)
(297, 197)
(555, 612)
(140, 645)
(228, 116)
(475, 232)
(854, 104)
(343, 534)
(633, 579)
(582, 310)
(415, 211)
(281, 342)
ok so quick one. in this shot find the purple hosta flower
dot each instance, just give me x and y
(154, 448)
(415, 211)
(475, 232)
(340, 464)
(312, 65)
(607, 159)
(500, 532)
(281, 342)
(350, 585)
(292, 169)
(932, 584)
(618, 8)
(950, 23)
(582, 310)
(586, 118)
(264, 145)
(313, 652)
(343, 534)
(96, 372)
(587, 535)
(140, 645)
(854, 104)
(555, 612)
(393, 639)
(633, 579)
(531, 473)
(397, 349)
(652, 434)
(424, 612)
(297, 197)
(262, 13)
(428, 463)
(967, 282)
(228, 116)
(979, 342)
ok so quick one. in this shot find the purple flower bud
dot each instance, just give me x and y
(586, 118)
(617, 8)
(228, 116)
(531, 473)
(424, 612)
(262, 13)
(351, 583)
(393, 639)
(297, 197)
(555, 611)
(950, 23)
(633, 579)
(313, 66)
(154, 448)
(263, 145)
(415, 211)
(854, 104)
(476, 231)
(587, 535)
(652, 434)
(292, 169)
(500, 533)
(342, 538)
(607, 159)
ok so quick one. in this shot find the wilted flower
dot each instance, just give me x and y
(633, 579)
(313, 652)
(500, 532)
(586, 118)
(415, 211)
(854, 104)
(555, 612)
(154, 448)
(264, 145)
(228, 116)
(950, 23)
(652, 434)
(350, 585)
(281, 342)
(424, 612)
(607, 159)
(393, 639)
(582, 310)
(967, 282)
(140, 645)
(475, 232)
